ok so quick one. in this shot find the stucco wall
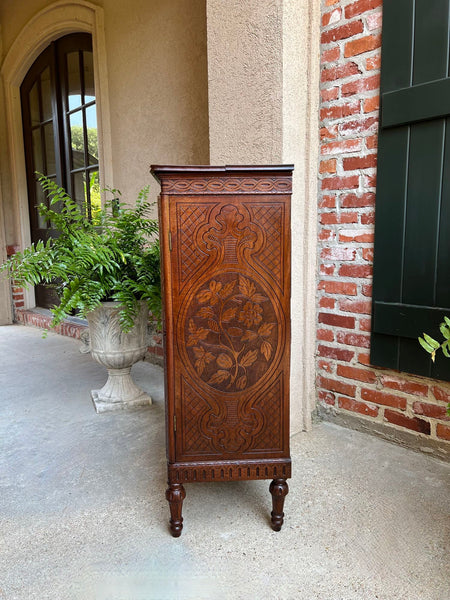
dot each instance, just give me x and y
(157, 84)
(245, 76)
(157, 74)
(263, 109)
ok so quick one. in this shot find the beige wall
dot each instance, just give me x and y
(245, 77)
(263, 109)
(157, 74)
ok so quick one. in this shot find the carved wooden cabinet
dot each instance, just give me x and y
(225, 244)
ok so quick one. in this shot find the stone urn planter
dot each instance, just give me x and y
(118, 352)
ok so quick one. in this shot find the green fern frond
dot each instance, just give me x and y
(117, 257)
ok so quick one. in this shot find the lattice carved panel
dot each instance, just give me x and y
(271, 436)
(189, 220)
(270, 219)
(195, 407)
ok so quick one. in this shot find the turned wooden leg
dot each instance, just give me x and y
(279, 489)
(175, 495)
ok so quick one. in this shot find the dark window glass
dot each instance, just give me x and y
(60, 130)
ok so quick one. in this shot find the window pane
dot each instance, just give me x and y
(89, 92)
(40, 198)
(46, 93)
(73, 80)
(38, 163)
(33, 99)
(79, 188)
(50, 149)
(91, 124)
(77, 139)
(95, 199)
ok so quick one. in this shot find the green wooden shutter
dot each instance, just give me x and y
(411, 292)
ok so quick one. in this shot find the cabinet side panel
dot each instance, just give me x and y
(230, 267)
(167, 318)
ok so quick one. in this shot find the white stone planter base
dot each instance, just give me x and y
(119, 393)
(118, 352)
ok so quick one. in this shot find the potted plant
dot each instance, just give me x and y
(106, 269)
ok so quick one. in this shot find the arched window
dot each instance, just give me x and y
(60, 131)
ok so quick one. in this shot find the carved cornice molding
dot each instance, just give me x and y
(227, 185)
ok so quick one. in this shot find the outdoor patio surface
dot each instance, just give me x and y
(83, 513)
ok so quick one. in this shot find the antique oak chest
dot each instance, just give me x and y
(225, 252)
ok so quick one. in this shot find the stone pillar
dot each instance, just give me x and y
(263, 82)
(5, 289)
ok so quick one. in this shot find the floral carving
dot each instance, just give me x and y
(231, 326)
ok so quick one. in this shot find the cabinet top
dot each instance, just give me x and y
(208, 169)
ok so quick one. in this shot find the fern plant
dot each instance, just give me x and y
(114, 257)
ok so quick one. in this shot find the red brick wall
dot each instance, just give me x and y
(346, 383)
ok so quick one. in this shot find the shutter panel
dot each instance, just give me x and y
(411, 286)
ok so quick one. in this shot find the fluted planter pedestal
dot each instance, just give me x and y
(118, 352)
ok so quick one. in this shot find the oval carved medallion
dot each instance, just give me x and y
(231, 332)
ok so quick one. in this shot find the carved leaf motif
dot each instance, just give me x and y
(201, 334)
(235, 320)
(205, 312)
(235, 331)
(191, 341)
(203, 358)
(241, 382)
(266, 329)
(258, 298)
(204, 296)
(196, 334)
(213, 325)
(227, 290)
(246, 287)
(249, 358)
(219, 377)
(224, 361)
(266, 349)
(249, 336)
(215, 286)
(229, 314)
(200, 366)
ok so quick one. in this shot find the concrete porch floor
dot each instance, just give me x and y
(83, 514)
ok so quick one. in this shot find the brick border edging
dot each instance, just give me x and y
(40, 321)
